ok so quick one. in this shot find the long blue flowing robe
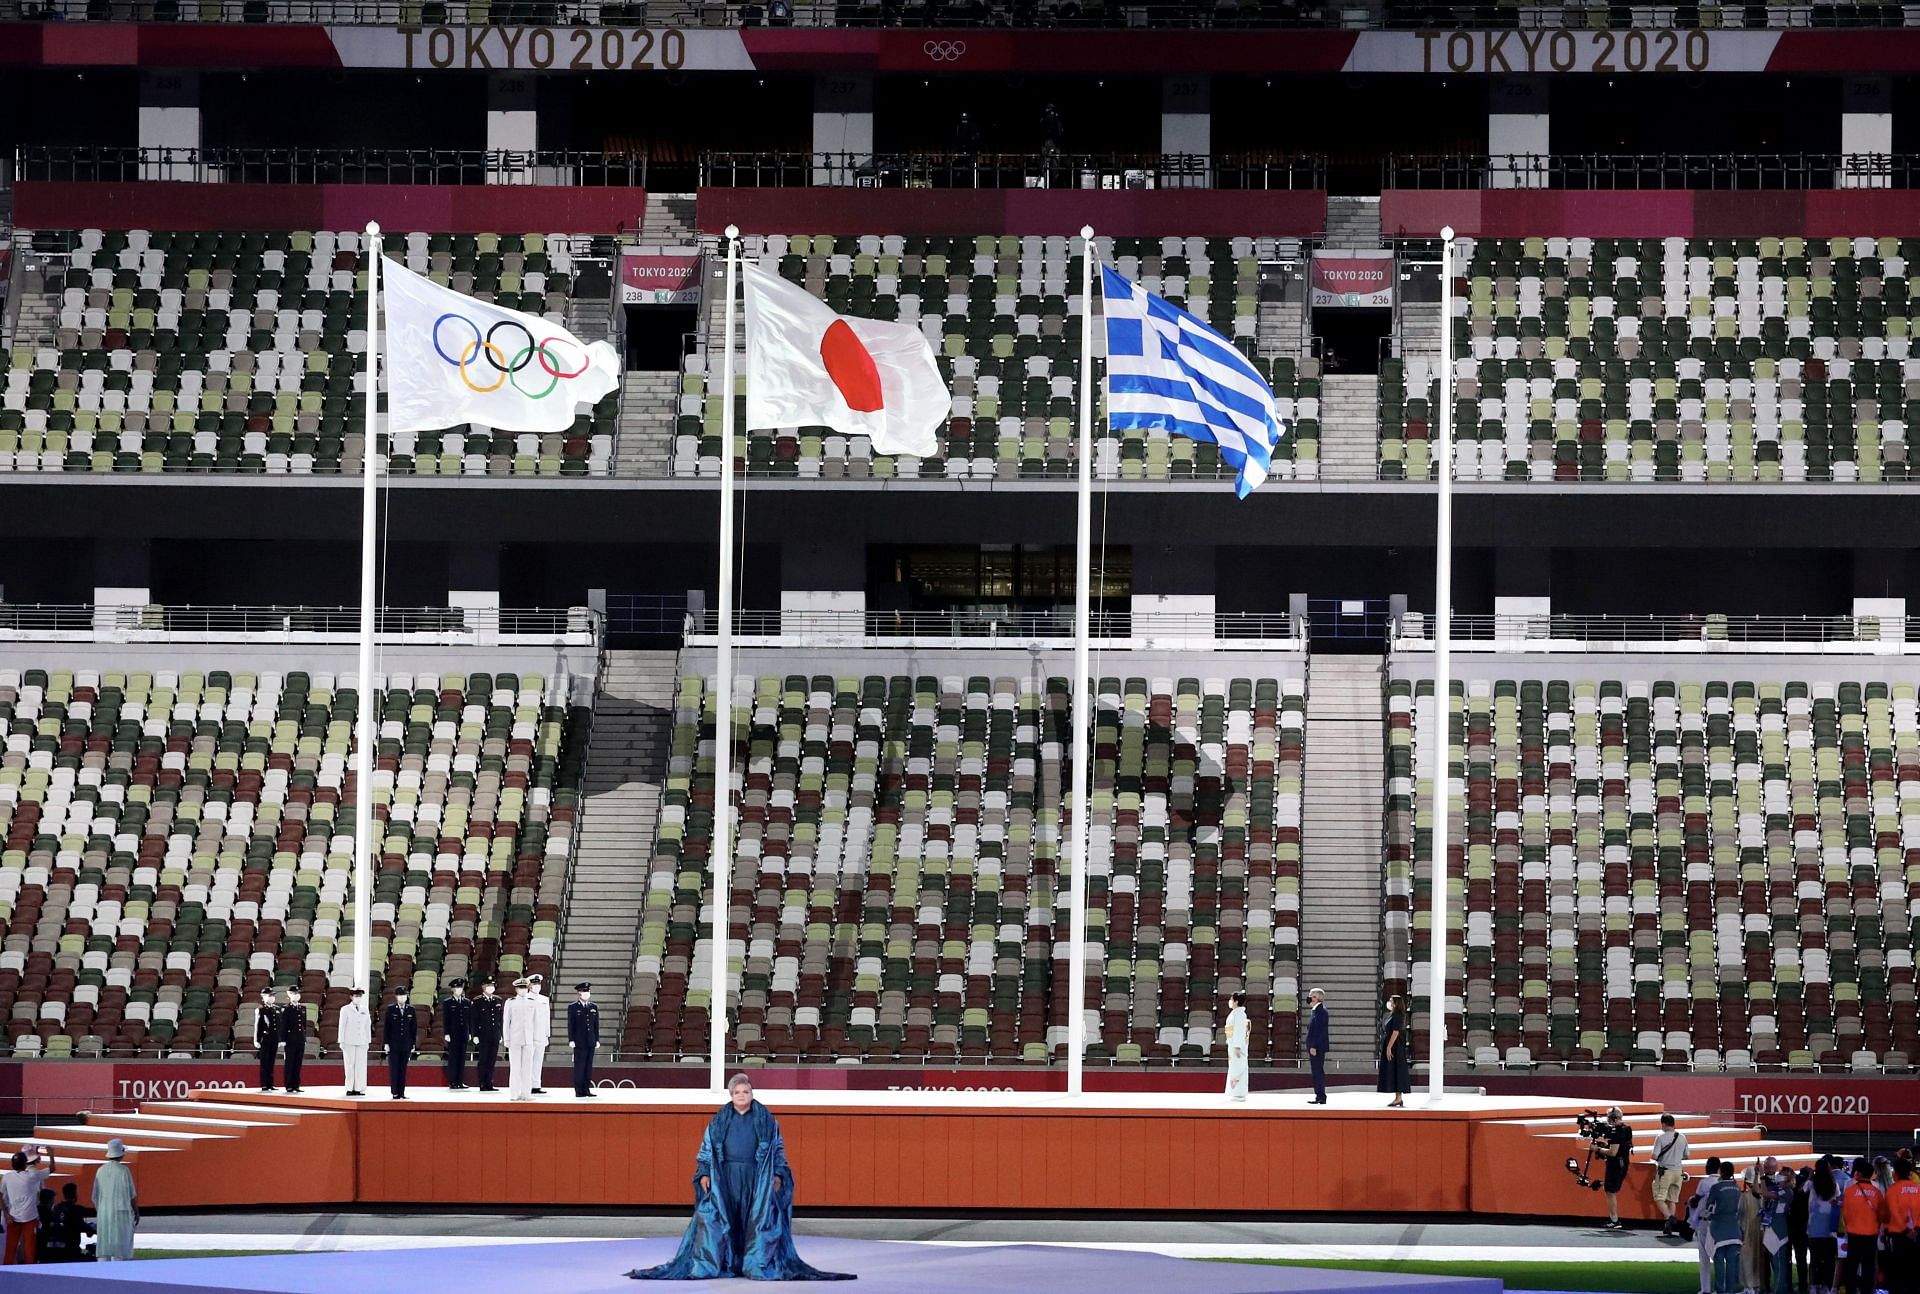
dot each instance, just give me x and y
(113, 1210)
(743, 1226)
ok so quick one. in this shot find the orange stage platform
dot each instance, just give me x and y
(925, 1151)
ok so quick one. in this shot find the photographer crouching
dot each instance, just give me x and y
(1611, 1141)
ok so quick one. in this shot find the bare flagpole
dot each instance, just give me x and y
(723, 697)
(1082, 720)
(1442, 737)
(368, 736)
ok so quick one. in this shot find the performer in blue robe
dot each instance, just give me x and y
(742, 1202)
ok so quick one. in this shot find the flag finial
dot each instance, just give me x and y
(733, 231)
(1446, 232)
(1086, 232)
(373, 229)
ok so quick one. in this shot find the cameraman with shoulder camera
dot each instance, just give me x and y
(1614, 1143)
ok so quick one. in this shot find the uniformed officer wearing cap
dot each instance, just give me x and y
(294, 1028)
(583, 1035)
(400, 1032)
(266, 1036)
(456, 1019)
(487, 1019)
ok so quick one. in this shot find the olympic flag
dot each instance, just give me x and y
(452, 359)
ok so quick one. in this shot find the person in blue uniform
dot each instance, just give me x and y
(400, 1032)
(294, 1027)
(1395, 1053)
(1317, 1044)
(583, 1036)
(487, 1019)
(456, 1018)
(742, 1202)
(266, 1036)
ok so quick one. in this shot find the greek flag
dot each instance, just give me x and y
(1167, 370)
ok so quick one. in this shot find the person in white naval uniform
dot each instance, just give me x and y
(536, 989)
(354, 1032)
(522, 1034)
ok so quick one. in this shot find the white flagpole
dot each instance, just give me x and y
(1082, 721)
(1442, 738)
(723, 699)
(368, 735)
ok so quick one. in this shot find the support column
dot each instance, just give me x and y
(170, 120)
(513, 126)
(1186, 131)
(1866, 134)
(842, 126)
(1517, 128)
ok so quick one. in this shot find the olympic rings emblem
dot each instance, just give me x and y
(944, 51)
(527, 350)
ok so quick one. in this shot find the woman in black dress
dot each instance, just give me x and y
(1395, 1052)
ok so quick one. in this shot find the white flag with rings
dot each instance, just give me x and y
(454, 359)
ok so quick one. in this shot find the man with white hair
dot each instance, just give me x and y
(521, 1031)
(1317, 1043)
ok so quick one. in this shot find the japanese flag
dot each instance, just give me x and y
(810, 367)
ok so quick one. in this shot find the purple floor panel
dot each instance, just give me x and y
(599, 1267)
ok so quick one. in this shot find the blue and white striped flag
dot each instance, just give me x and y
(1167, 370)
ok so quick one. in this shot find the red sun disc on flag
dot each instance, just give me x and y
(851, 367)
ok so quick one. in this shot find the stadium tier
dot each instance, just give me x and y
(1603, 359)
(898, 889)
(1003, 315)
(175, 842)
(1690, 874)
(244, 352)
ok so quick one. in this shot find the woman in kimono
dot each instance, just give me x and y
(116, 1206)
(1236, 1034)
(1395, 1053)
(742, 1202)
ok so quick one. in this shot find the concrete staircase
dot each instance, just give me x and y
(649, 409)
(36, 315)
(1353, 222)
(626, 769)
(1349, 427)
(670, 222)
(1281, 328)
(1341, 870)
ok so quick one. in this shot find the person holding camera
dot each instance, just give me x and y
(1669, 1172)
(1613, 1142)
(20, 1196)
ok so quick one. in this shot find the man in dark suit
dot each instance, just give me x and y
(1317, 1044)
(487, 1018)
(456, 1018)
(583, 1035)
(400, 1032)
(266, 1036)
(294, 1027)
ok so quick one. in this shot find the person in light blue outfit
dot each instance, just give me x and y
(1237, 1040)
(1724, 1224)
(743, 1202)
(116, 1205)
(1823, 1228)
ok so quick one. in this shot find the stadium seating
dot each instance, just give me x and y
(243, 352)
(174, 842)
(1003, 314)
(897, 891)
(1769, 359)
(1692, 874)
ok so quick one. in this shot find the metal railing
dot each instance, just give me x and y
(1070, 14)
(996, 625)
(1839, 633)
(291, 623)
(329, 165)
(935, 169)
(1742, 171)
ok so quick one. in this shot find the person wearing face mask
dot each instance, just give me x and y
(521, 1029)
(400, 1032)
(742, 1202)
(294, 1027)
(583, 1037)
(354, 1032)
(488, 1016)
(456, 1020)
(536, 989)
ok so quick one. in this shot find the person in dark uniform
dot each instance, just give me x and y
(456, 1020)
(583, 1035)
(1317, 1044)
(486, 1016)
(293, 1036)
(1395, 1053)
(266, 1036)
(400, 1032)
